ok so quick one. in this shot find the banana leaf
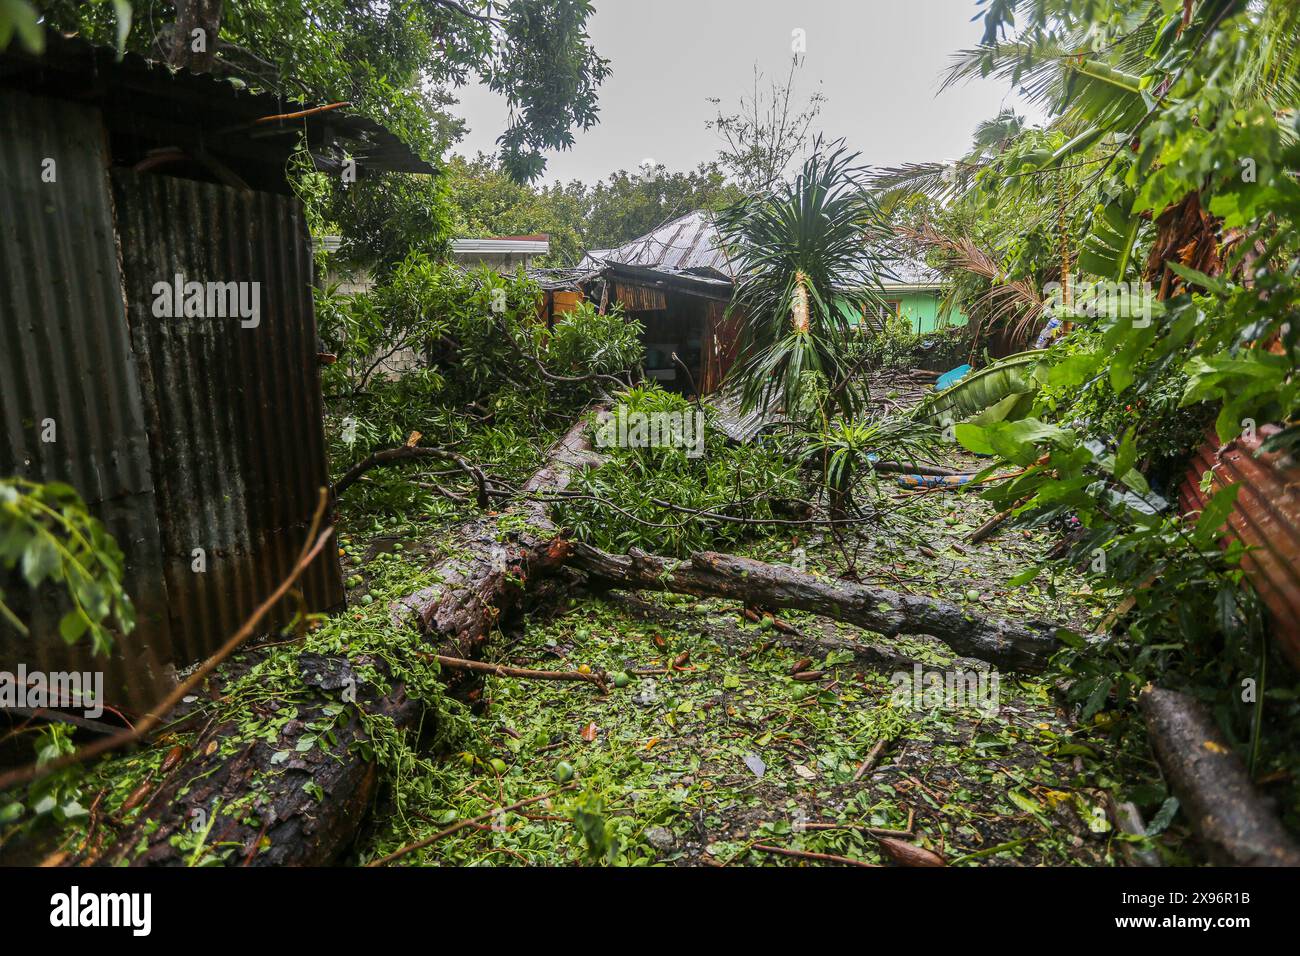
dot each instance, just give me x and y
(1112, 235)
(1003, 391)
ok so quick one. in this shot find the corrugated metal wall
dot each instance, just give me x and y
(66, 357)
(234, 413)
(1267, 517)
(180, 433)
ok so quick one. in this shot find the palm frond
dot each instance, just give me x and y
(1014, 303)
(939, 181)
(810, 244)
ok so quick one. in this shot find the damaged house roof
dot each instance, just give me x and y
(691, 246)
(687, 244)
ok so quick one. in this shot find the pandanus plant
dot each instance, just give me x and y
(807, 255)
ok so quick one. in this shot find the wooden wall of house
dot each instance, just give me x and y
(721, 345)
(695, 327)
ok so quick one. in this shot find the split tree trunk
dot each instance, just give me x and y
(1011, 645)
(499, 562)
(499, 557)
(1236, 825)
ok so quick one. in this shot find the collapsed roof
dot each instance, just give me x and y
(689, 243)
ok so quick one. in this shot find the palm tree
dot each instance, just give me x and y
(807, 255)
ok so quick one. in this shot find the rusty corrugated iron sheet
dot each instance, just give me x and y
(234, 412)
(147, 104)
(181, 433)
(66, 356)
(721, 345)
(1266, 517)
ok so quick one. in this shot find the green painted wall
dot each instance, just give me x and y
(922, 308)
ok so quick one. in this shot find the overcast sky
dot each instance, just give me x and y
(878, 62)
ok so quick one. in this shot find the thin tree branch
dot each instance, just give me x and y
(154, 717)
(429, 841)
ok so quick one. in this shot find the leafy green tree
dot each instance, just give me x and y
(396, 62)
(487, 202)
(625, 206)
(616, 210)
(1173, 127)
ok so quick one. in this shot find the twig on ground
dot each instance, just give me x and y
(872, 758)
(429, 841)
(809, 855)
(523, 673)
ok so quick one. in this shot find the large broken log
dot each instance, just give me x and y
(1236, 825)
(271, 802)
(1015, 646)
(497, 558)
(300, 803)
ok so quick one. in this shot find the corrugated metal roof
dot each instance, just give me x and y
(146, 100)
(742, 427)
(691, 242)
(695, 283)
(555, 279)
(538, 247)
(688, 242)
(909, 271)
(1266, 517)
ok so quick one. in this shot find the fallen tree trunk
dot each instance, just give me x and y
(1015, 646)
(1236, 825)
(497, 558)
(273, 803)
(303, 807)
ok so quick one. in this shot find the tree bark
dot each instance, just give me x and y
(1234, 822)
(253, 799)
(1014, 646)
(498, 558)
(187, 50)
(500, 563)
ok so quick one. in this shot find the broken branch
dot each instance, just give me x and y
(809, 855)
(1012, 645)
(524, 673)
